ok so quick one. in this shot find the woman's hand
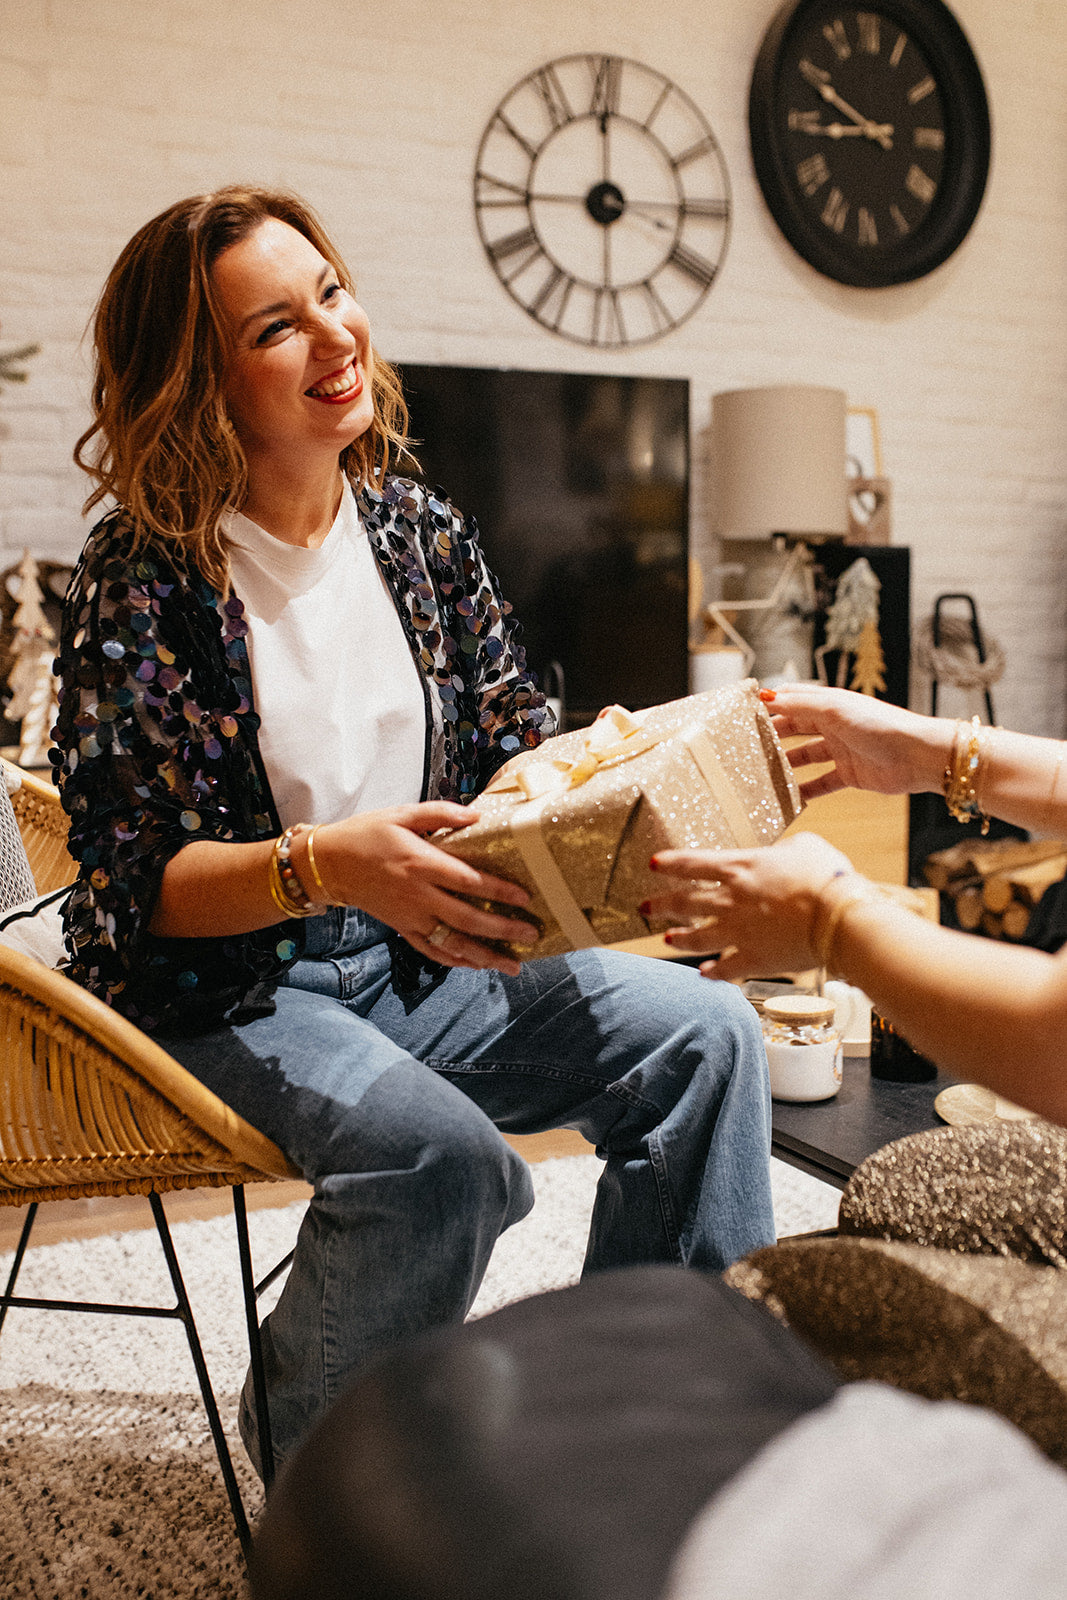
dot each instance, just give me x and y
(756, 907)
(873, 745)
(383, 862)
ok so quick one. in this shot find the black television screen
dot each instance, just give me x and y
(580, 487)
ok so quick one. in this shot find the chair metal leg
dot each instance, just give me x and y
(255, 1340)
(185, 1313)
(20, 1251)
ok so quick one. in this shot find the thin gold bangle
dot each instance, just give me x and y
(824, 942)
(819, 909)
(1056, 774)
(316, 875)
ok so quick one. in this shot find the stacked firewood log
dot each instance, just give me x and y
(994, 884)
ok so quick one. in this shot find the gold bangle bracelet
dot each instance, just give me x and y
(1056, 775)
(824, 942)
(316, 876)
(820, 911)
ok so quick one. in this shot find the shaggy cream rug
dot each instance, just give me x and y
(109, 1486)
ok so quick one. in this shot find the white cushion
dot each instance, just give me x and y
(36, 927)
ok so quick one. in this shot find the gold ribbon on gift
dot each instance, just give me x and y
(616, 736)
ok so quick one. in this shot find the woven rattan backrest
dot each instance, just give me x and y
(43, 825)
(90, 1105)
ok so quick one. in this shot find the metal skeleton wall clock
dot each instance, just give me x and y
(602, 200)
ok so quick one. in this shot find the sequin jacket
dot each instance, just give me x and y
(157, 741)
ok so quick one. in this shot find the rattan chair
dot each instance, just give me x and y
(90, 1105)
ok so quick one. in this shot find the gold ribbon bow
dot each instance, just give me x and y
(615, 736)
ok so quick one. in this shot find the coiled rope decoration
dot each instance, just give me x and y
(955, 659)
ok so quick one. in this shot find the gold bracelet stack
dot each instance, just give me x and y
(286, 890)
(960, 782)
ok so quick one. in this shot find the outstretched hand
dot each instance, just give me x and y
(385, 863)
(873, 745)
(755, 909)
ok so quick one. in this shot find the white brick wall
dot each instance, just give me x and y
(110, 109)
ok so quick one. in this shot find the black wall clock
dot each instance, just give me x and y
(602, 200)
(870, 135)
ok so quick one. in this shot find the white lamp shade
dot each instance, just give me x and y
(779, 462)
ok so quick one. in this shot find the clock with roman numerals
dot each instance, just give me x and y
(870, 135)
(602, 200)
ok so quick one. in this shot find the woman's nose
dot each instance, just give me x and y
(330, 335)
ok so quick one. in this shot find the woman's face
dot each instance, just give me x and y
(299, 381)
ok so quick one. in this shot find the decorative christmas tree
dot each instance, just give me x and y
(851, 620)
(31, 681)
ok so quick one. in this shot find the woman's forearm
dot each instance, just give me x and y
(981, 1009)
(1022, 779)
(212, 890)
(874, 745)
(383, 862)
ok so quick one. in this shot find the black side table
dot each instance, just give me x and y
(829, 1138)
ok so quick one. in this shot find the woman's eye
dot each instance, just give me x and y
(271, 332)
(331, 291)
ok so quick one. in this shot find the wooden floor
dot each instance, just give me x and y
(84, 1219)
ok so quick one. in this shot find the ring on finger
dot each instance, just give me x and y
(439, 935)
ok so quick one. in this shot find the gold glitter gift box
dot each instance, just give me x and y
(577, 820)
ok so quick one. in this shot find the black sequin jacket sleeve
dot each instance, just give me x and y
(157, 740)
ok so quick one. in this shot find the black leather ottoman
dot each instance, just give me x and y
(556, 1449)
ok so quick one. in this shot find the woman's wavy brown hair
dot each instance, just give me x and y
(161, 443)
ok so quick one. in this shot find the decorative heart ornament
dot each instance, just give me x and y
(869, 502)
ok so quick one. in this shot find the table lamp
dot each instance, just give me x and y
(778, 471)
(779, 463)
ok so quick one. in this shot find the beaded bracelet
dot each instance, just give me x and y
(960, 781)
(286, 890)
(287, 907)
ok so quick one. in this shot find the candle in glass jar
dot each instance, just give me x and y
(803, 1047)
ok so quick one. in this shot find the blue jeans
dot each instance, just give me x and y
(391, 1106)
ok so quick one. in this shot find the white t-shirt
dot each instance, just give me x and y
(339, 694)
(879, 1495)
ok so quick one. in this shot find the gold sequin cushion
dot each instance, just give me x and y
(984, 1329)
(1000, 1188)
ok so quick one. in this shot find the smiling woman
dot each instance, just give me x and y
(284, 669)
(297, 387)
(162, 443)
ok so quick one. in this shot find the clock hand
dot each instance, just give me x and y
(881, 131)
(841, 130)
